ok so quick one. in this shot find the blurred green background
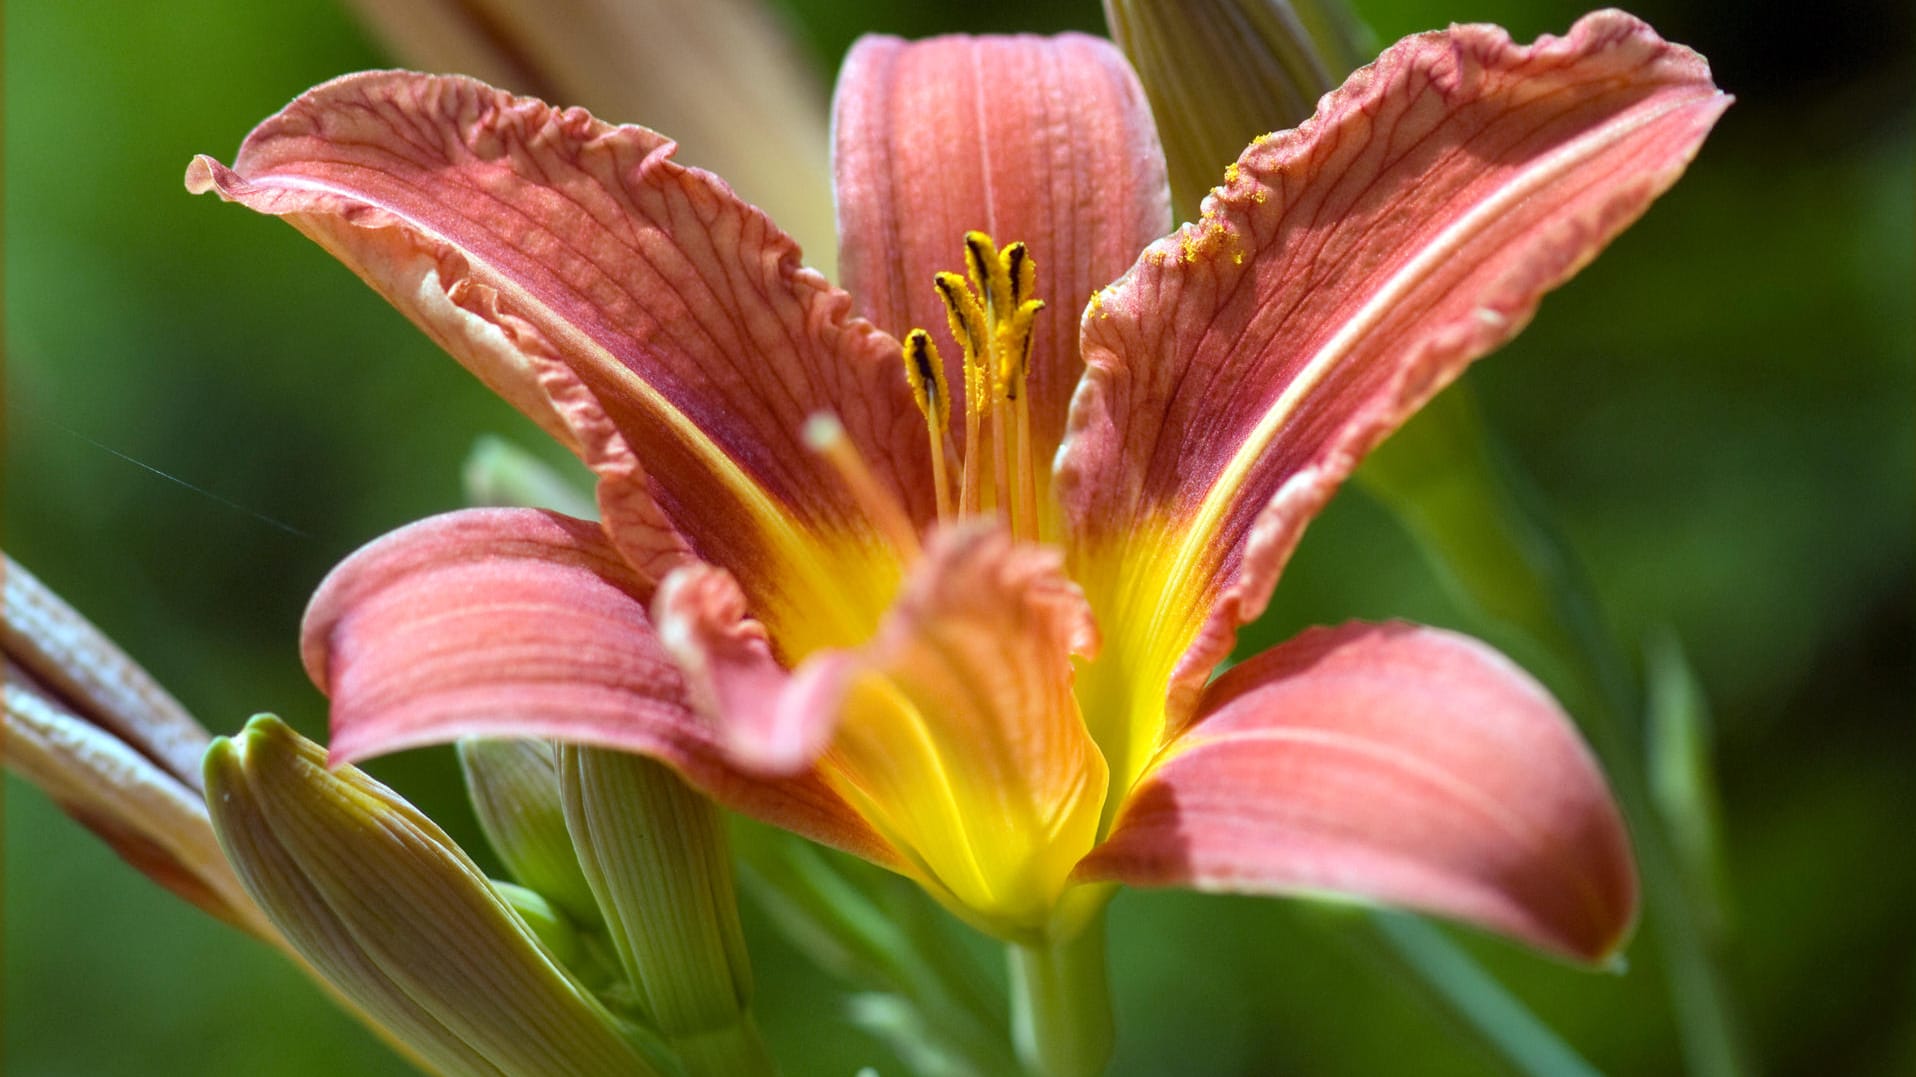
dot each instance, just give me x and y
(1718, 414)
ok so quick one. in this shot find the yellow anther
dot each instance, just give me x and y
(966, 316)
(981, 262)
(1014, 348)
(925, 373)
(991, 310)
(1021, 274)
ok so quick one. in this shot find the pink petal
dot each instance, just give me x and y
(636, 308)
(1345, 272)
(1391, 763)
(733, 679)
(1045, 140)
(724, 76)
(517, 622)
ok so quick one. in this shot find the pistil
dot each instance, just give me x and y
(826, 436)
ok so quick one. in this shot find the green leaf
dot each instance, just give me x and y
(1682, 776)
(1472, 994)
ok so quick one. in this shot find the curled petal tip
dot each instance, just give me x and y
(199, 174)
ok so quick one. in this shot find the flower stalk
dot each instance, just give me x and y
(1061, 1003)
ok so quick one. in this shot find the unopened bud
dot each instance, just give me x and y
(386, 908)
(514, 784)
(1219, 73)
(656, 855)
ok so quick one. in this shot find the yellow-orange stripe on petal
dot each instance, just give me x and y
(1047, 140)
(1343, 273)
(637, 308)
(1389, 763)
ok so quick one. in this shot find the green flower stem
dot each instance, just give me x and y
(1061, 1004)
(735, 1049)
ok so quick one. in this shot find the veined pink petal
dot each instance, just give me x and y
(1392, 763)
(517, 622)
(1344, 273)
(732, 677)
(637, 308)
(1044, 140)
(723, 76)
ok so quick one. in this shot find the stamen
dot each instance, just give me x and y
(1027, 492)
(967, 318)
(977, 397)
(968, 327)
(826, 436)
(925, 372)
(1001, 466)
(991, 310)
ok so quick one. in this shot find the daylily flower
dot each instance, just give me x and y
(952, 599)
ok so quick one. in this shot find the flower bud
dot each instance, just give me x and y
(499, 473)
(1219, 73)
(93, 730)
(389, 911)
(514, 786)
(656, 855)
